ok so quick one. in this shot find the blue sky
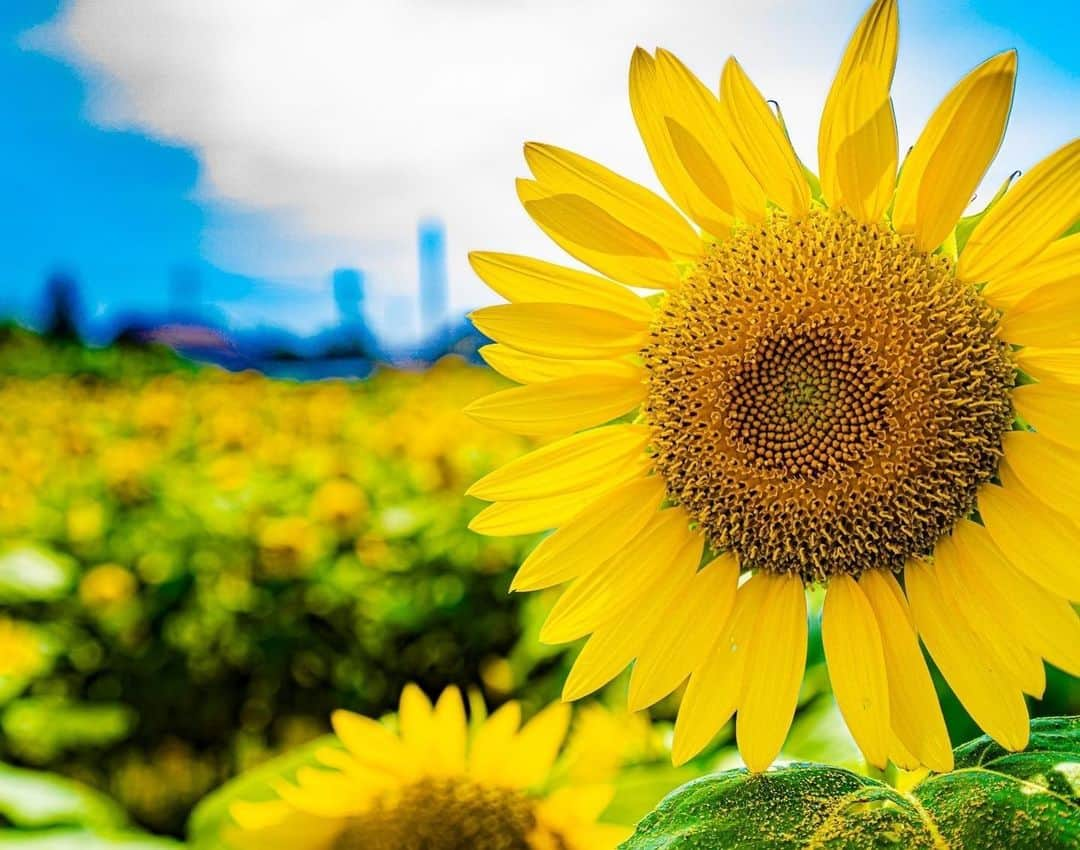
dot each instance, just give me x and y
(116, 173)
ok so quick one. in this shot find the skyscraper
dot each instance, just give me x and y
(349, 294)
(431, 238)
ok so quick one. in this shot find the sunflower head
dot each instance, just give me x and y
(841, 380)
(439, 783)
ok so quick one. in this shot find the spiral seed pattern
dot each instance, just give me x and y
(447, 814)
(824, 397)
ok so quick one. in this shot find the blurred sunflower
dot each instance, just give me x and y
(831, 390)
(20, 649)
(434, 786)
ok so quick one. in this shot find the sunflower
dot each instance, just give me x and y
(841, 381)
(434, 786)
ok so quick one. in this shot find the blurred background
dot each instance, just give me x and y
(233, 354)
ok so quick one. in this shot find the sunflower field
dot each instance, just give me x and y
(199, 568)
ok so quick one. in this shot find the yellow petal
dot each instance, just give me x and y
(1035, 211)
(857, 116)
(506, 519)
(1045, 622)
(523, 279)
(679, 642)
(623, 580)
(560, 407)
(487, 755)
(993, 637)
(450, 730)
(1037, 540)
(616, 643)
(760, 141)
(1049, 470)
(863, 168)
(593, 536)
(650, 113)
(594, 236)
(982, 688)
(1046, 316)
(533, 752)
(715, 687)
(914, 710)
(613, 454)
(415, 719)
(694, 125)
(1052, 409)
(856, 661)
(561, 330)
(531, 369)
(1050, 364)
(775, 662)
(1057, 267)
(369, 741)
(951, 156)
(561, 171)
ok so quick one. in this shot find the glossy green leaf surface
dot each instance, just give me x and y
(993, 799)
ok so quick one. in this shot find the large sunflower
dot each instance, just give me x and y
(842, 381)
(434, 786)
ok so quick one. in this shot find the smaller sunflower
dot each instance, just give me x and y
(440, 783)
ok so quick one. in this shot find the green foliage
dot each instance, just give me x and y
(41, 811)
(993, 799)
(211, 816)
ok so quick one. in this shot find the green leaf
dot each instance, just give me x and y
(993, 799)
(30, 574)
(77, 839)
(211, 815)
(34, 799)
(39, 728)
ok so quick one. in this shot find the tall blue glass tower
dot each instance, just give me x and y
(431, 238)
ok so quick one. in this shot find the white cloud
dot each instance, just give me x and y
(351, 119)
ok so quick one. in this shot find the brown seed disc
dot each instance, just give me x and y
(824, 397)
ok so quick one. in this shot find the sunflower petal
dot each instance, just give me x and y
(525, 280)
(854, 136)
(532, 753)
(713, 693)
(1037, 540)
(1052, 409)
(1043, 621)
(760, 141)
(1057, 267)
(561, 171)
(951, 156)
(856, 661)
(487, 754)
(1049, 470)
(591, 234)
(995, 638)
(982, 688)
(776, 653)
(1050, 364)
(507, 519)
(561, 330)
(593, 536)
(604, 592)
(680, 641)
(531, 369)
(613, 454)
(1035, 211)
(560, 407)
(914, 711)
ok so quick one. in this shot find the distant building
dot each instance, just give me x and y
(434, 294)
(349, 294)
